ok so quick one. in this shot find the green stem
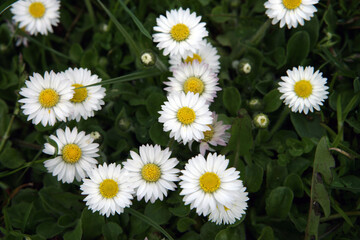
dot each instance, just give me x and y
(337, 216)
(283, 115)
(7, 132)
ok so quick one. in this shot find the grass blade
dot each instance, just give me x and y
(6, 5)
(149, 221)
(48, 48)
(136, 20)
(122, 30)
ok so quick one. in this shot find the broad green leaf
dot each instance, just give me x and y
(76, 52)
(180, 210)
(48, 229)
(266, 234)
(275, 174)
(232, 100)
(154, 102)
(294, 182)
(307, 125)
(324, 161)
(330, 18)
(219, 14)
(89, 59)
(241, 140)
(11, 158)
(157, 134)
(75, 234)
(158, 212)
(111, 230)
(19, 214)
(67, 220)
(279, 202)
(299, 222)
(253, 177)
(91, 223)
(272, 101)
(185, 223)
(209, 230)
(298, 48)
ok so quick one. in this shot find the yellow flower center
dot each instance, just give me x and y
(48, 98)
(209, 182)
(71, 153)
(194, 84)
(208, 134)
(37, 9)
(194, 57)
(151, 172)
(303, 88)
(186, 115)
(180, 32)
(80, 94)
(109, 188)
(291, 4)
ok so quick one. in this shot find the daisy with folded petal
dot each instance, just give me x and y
(46, 99)
(186, 116)
(205, 54)
(37, 16)
(196, 78)
(179, 31)
(229, 214)
(217, 135)
(290, 12)
(152, 173)
(207, 183)
(76, 155)
(85, 100)
(108, 189)
(303, 90)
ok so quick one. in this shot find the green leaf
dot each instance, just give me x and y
(185, 223)
(158, 212)
(299, 222)
(266, 234)
(11, 158)
(232, 100)
(91, 223)
(272, 101)
(157, 135)
(324, 160)
(253, 177)
(136, 20)
(330, 18)
(298, 48)
(219, 14)
(89, 59)
(275, 174)
(307, 125)
(209, 230)
(111, 230)
(279, 202)
(294, 182)
(19, 214)
(180, 210)
(75, 234)
(6, 5)
(48, 229)
(76, 52)
(154, 102)
(321, 196)
(241, 140)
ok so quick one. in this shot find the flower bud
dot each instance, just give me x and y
(148, 58)
(261, 120)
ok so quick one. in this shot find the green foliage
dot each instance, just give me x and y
(302, 172)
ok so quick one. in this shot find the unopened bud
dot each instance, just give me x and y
(261, 120)
(148, 58)
(255, 104)
(95, 135)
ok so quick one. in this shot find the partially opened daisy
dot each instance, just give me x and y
(205, 54)
(290, 12)
(303, 90)
(186, 116)
(196, 78)
(47, 99)
(76, 155)
(217, 135)
(179, 31)
(85, 100)
(37, 16)
(229, 214)
(108, 189)
(207, 183)
(152, 173)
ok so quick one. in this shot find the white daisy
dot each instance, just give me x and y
(47, 98)
(37, 16)
(76, 152)
(217, 135)
(290, 12)
(185, 116)
(229, 214)
(303, 90)
(194, 77)
(207, 183)
(21, 39)
(179, 31)
(108, 189)
(205, 54)
(152, 173)
(85, 100)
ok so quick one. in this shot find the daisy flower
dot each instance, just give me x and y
(290, 12)
(207, 183)
(205, 54)
(47, 98)
(229, 214)
(303, 90)
(185, 116)
(217, 135)
(85, 100)
(20, 39)
(108, 189)
(194, 77)
(37, 16)
(152, 173)
(76, 152)
(178, 32)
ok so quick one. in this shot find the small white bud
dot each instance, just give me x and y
(246, 68)
(95, 135)
(261, 120)
(148, 58)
